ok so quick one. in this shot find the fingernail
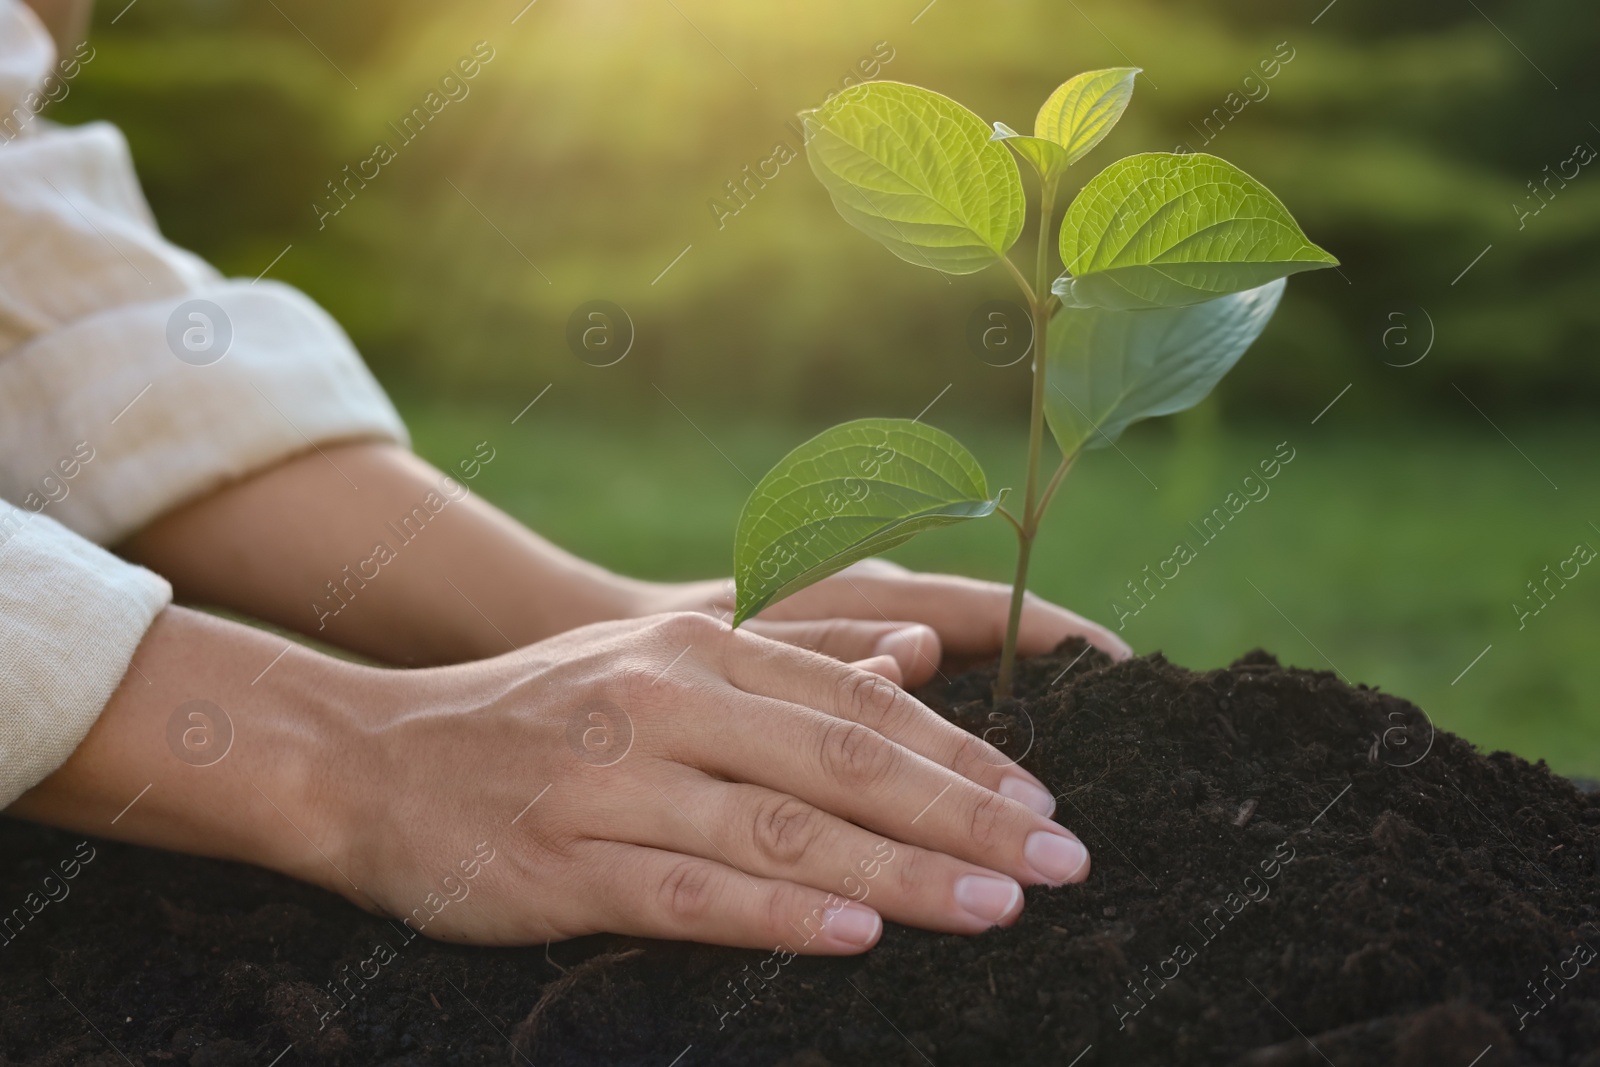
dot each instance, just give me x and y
(854, 924)
(1056, 857)
(1015, 787)
(988, 898)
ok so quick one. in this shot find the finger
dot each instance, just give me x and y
(836, 761)
(858, 774)
(770, 835)
(885, 667)
(915, 647)
(769, 668)
(970, 616)
(1045, 625)
(649, 892)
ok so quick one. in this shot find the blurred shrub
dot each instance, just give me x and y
(594, 147)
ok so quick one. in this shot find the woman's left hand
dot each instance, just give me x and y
(876, 608)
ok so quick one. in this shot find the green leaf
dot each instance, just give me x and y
(1164, 230)
(850, 492)
(1047, 157)
(1083, 109)
(1108, 369)
(917, 171)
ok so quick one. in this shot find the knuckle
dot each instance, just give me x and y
(785, 829)
(782, 910)
(990, 819)
(871, 699)
(555, 834)
(691, 627)
(975, 757)
(913, 875)
(634, 682)
(853, 754)
(830, 633)
(686, 893)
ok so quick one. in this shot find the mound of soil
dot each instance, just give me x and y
(1287, 871)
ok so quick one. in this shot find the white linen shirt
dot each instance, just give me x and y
(114, 405)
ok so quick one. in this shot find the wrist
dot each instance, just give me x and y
(615, 596)
(221, 741)
(300, 767)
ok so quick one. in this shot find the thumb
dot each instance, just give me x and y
(913, 646)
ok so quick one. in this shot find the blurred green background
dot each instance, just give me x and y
(590, 158)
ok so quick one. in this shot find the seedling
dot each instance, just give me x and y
(1173, 265)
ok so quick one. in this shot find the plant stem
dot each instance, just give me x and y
(1055, 483)
(1022, 283)
(1019, 587)
(1041, 254)
(1030, 524)
(1040, 304)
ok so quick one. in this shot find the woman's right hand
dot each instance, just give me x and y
(674, 778)
(665, 776)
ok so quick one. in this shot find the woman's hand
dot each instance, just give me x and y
(666, 776)
(475, 583)
(670, 777)
(877, 608)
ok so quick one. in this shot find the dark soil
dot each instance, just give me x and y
(1287, 871)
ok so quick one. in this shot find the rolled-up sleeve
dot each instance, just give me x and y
(71, 616)
(164, 431)
(116, 340)
(133, 378)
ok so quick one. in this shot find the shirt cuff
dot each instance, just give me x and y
(71, 617)
(172, 399)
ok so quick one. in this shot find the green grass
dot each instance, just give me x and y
(1390, 554)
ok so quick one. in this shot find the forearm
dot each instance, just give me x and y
(204, 749)
(369, 548)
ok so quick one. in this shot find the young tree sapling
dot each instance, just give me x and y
(1172, 265)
